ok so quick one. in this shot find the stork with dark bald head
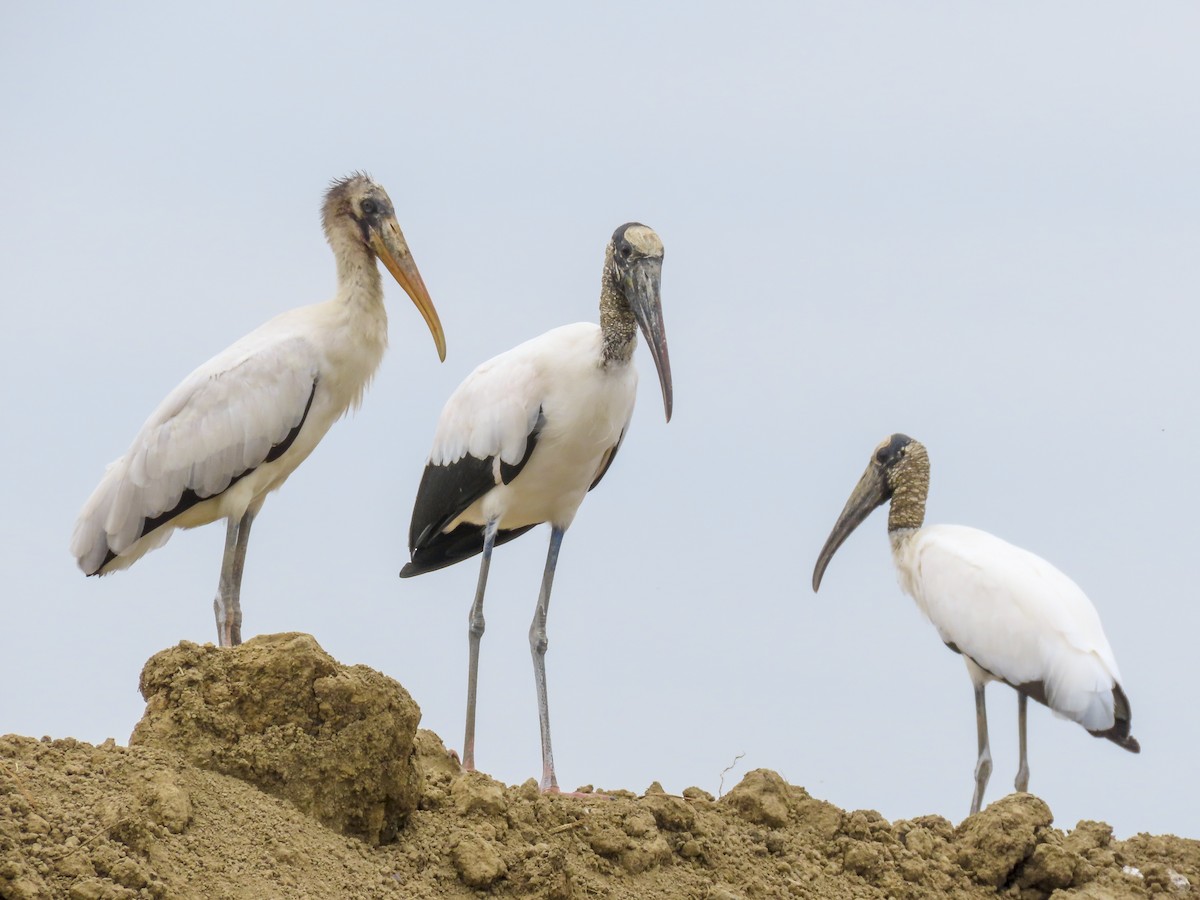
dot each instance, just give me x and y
(1013, 616)
(238, 426)
(527, 435)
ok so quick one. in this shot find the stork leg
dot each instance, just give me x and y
(474, 634)
(538, 643)
(983, 765)
(228, 603)
(1022, 782)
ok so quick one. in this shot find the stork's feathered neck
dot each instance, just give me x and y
(359, 283)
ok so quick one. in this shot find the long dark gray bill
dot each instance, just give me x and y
(870, 493)
(642, 290)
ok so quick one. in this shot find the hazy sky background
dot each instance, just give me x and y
(977, 224)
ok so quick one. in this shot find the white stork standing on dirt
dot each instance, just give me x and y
(239, 425)
(528, 434)
(1013, 616)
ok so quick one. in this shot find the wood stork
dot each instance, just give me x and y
(528, 434)
(1013, 616)
(236, 428)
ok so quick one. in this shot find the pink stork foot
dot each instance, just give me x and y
(454, 756)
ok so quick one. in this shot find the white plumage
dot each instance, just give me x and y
(584, 408)
(222, 420)
(1012, 613)
(1013, 616)
(240, 424)
(527, 435)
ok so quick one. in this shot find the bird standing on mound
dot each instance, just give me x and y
(1013, 616)
(239, 425)
(527, 435)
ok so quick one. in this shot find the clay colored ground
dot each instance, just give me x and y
(271, 770)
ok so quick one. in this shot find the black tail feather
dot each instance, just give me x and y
(446, 549)
(1122, 716)
(1123, 720)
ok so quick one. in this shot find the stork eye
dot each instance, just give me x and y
(369, 207)
(625, 251)
(881, 456)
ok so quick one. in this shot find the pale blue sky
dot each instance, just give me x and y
(975, 224)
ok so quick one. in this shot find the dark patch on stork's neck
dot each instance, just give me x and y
(910, 489)
(907, 510)
(617, 322)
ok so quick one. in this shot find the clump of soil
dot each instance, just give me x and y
(244, 753)
(282, 714)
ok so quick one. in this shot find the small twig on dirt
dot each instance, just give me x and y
(33, 807)
(721, 788)
(561, 828)
(83, 844)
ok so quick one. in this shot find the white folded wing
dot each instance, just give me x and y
(218, 425)
(1016, 616)
(496, 407)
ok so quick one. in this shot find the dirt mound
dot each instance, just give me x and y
(242, 751)
(282, 714)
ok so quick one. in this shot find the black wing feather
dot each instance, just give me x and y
(612, 454)
(462, 543)
(1122, 715)
(445, 492)
(190, 498)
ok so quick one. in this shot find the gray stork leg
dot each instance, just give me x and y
(474, 633)
(537, 646)
(228, 603)
(1022, 782)
(983, 766)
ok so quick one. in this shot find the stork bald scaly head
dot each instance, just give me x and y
(630, 298)
(898, 471)
(360, 225)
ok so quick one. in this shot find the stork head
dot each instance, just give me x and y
(898, 471)
(634, 265)
(357, 210)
